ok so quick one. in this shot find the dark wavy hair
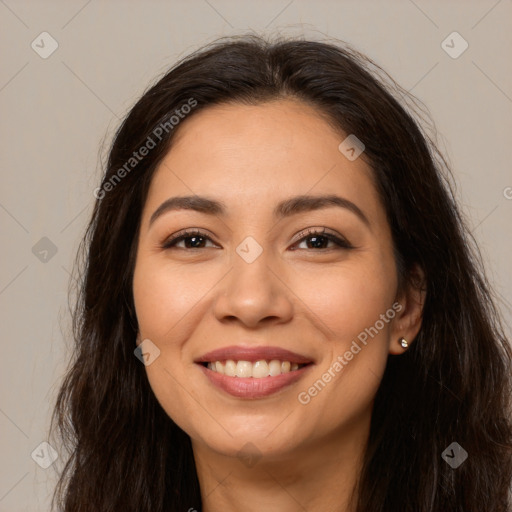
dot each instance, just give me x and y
(453, 384)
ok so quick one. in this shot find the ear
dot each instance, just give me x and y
(138, 341)
(407, 322)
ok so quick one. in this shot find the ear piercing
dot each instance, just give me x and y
(403, 342)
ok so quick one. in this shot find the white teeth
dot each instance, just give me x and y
(244, 369)
(260, 369)
(257, 370)
(230, 368)
(275, 367)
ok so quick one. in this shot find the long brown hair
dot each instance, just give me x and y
(452, 385)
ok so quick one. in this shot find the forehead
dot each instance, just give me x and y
(253, 156)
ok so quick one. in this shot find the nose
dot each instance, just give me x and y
(254, 294)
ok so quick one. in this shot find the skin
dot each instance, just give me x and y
(314, 301)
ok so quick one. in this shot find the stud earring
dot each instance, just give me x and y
(403, 342)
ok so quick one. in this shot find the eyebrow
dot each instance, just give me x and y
(286, 208)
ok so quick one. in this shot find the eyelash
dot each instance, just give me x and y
(340, 242)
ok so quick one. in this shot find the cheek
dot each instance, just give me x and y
(168, 307)
(349, 298)
(164, 295)
(349, 302)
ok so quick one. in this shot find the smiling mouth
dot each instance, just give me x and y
(257, 369)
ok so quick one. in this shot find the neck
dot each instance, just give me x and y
(316, 477)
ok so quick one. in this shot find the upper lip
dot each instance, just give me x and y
(252, 354)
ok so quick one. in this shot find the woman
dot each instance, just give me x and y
(281, 308)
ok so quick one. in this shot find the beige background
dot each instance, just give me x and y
(56, 112)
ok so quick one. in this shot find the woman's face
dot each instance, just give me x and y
(259, 286)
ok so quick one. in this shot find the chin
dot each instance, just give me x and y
(246, 434)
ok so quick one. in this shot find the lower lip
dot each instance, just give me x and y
(249, 387)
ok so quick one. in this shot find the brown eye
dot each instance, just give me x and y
(319, 238)
(192, 239)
